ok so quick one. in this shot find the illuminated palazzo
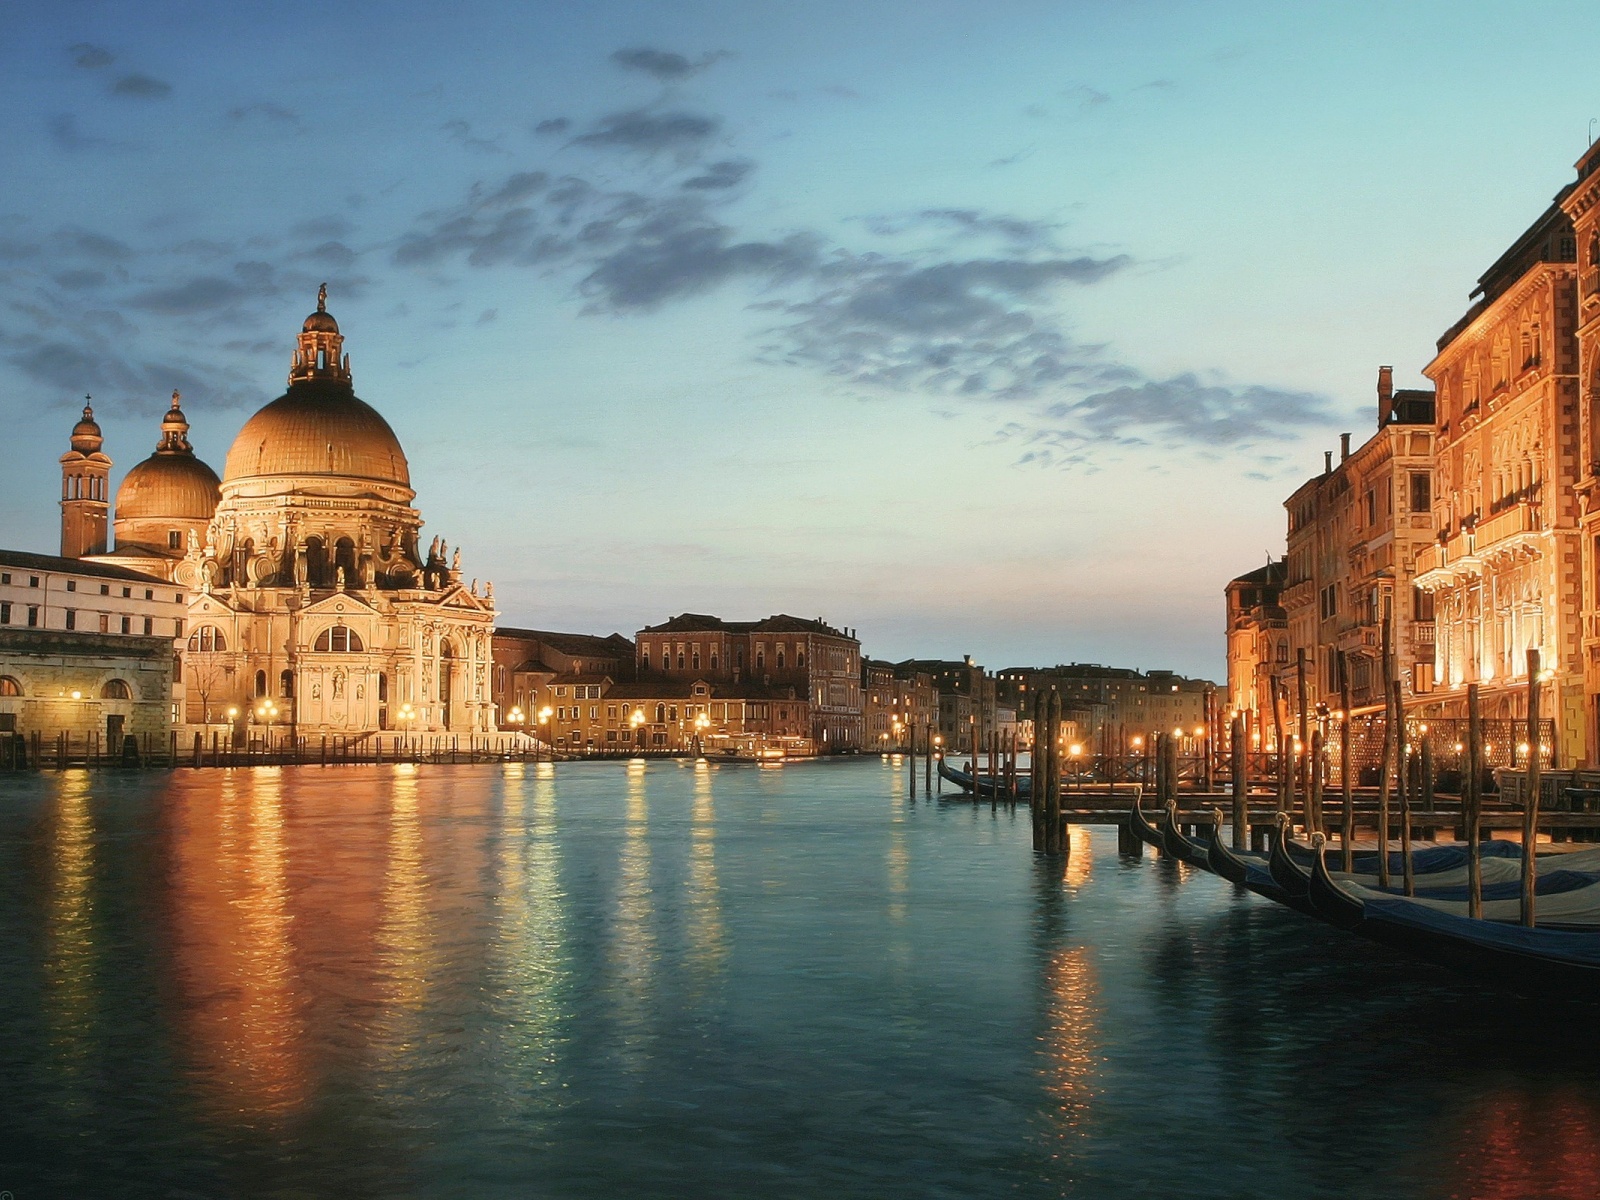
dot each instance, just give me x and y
(1504, 570)
(313, 604)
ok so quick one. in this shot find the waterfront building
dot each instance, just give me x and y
(527, 661)
(896, 700)
(1114, 709)
(963, 719)
(1354, 534)
(1582, 206)
(86, 649)
(312, 604)
(780, 659)
(1505, 569)
(1258, 642)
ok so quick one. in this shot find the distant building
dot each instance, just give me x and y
(898, 701)
(1258, 641)
(1113, 709)
(967, 699)
(777, 660)
(86, 649)
(527, 661)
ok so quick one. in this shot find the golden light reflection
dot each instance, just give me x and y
(405, 939)
(233, 933)
(69, 964)
(1072, 1037)
(707, 938)
(1080, 856)
(1515, 1145)
(633, 941)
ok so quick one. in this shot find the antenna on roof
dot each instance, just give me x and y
(1592, 121)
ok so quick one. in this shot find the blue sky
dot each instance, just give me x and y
(999, 329)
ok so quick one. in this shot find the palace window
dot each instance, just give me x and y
(116, 689)
(72, 618)
(9, 686)
(338, 639)
(286, 685)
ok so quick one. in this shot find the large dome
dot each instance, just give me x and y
(175, 487)
(318, 427)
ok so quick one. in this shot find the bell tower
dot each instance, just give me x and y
(85, 473)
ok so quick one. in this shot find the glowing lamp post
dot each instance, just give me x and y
(545, 714)
(266, 711)
(404, 717)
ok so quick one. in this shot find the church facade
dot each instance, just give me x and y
(314, 608)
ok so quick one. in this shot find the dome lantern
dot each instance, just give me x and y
(320, 352)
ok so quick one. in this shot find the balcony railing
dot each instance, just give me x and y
(1524, 518)
(1423, 632)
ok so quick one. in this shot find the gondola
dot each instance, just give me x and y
(1142, 829)
(1533, 961)
(1293, 877)
(1176, 844)
(1250, 872)
(986, 785)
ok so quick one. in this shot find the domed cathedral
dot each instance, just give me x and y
(314, 607)
(310, 579)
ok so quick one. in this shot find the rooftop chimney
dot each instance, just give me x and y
(1385, 395)
(1344, 446)
(1327, 462)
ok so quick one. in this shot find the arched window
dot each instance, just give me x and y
(799, 660)
(116, 689)
(316, 562)
(446, 650)
(661, 713)
(713, 660)
(338, 639)
(761, 659)
(344, 555)
(780, 658)
(261, 683)
(383, 689)
(286, 685)
(9, 686)
(207, 639)
(680, 660)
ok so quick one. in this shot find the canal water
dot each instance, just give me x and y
(683, 980)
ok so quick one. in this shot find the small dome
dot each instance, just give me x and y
(168, 487)
(320, 322)
(86, 438)
(318, 427)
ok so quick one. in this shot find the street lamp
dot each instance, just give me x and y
(233, 731)
(637, 721)
(265, 711)
(701, 724)
(545, 714)
(405, 716)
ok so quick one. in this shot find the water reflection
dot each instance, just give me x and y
(531, 956)
(1516, 1143)
(707, 938)
(233, 951)
(633, 938)
(70, 952)
(405, 938)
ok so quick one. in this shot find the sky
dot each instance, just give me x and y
(997, 329)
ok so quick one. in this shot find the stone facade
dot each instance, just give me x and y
(1258, 643)
(1505, 569)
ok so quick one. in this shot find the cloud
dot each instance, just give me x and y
(665, 65)
(334, 254)
(64, 132)
(720, 175)
(650, 133)
(264, 112)
(92, 245)
(332, 226)
(80, 280)
(968, 222)
(201, 294)
(143, 87)
(553, 125)
(1184, 409)
(461, 133)
(90, 57)
(675, 255)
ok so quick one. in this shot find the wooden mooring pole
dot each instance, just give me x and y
(1402, 787)
(1241, 784)
(1530, 814)
(1347, 824)
(1471, 804)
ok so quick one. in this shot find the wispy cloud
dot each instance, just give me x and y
(142, 87)
(649, 132)
(663, 64)
(90, 57)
